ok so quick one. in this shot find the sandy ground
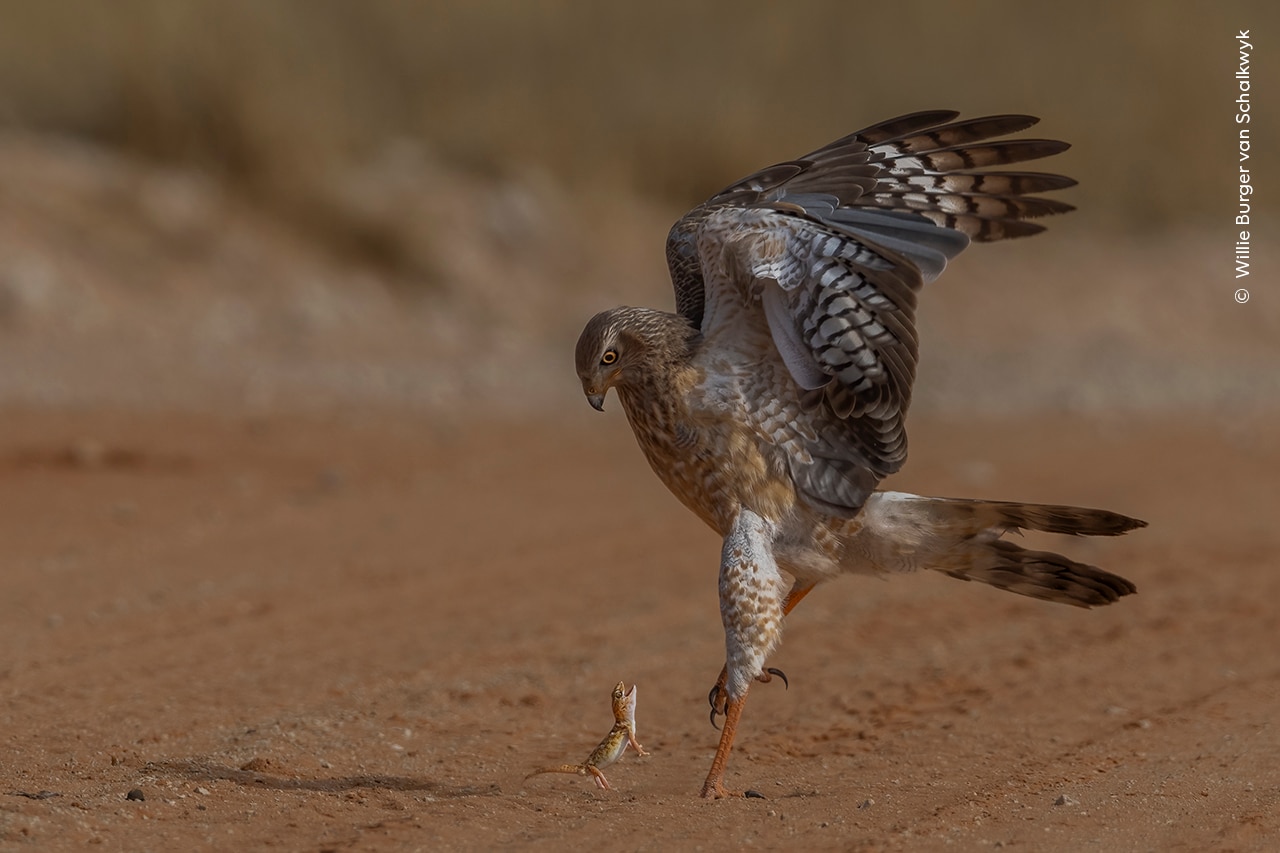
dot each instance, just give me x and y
(359, 632)
(312, 558)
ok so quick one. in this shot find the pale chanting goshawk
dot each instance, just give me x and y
(773, 401)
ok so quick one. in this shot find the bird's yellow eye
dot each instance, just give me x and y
(609, 357)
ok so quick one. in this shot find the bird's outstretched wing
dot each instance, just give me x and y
(832, 248)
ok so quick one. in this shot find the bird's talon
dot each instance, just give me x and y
(767, 676)
(717, 699)
(754, 795)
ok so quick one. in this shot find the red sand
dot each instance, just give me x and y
(360, 632)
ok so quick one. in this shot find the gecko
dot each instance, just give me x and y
(615, 743)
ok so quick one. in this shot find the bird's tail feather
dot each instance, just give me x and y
(1039, 574)
(962, 538)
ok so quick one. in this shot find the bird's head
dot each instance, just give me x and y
(622, 346)
(607, 350)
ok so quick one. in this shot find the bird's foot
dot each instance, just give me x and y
(718, 698)
(717, 791)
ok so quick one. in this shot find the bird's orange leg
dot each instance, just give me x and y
(713, 788)
(717, 698)
(794, 597)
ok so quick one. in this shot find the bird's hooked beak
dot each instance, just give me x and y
(595, 394)
(596, 387)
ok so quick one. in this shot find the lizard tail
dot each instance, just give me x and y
(575, 769)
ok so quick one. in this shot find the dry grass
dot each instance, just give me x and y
(669, 98)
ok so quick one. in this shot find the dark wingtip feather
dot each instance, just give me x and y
(991, 230)
(903, 124)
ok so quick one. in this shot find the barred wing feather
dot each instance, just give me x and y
(836, 245)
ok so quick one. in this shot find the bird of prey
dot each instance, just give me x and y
(772, 402)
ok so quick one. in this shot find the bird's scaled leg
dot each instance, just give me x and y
(796, 595)
(717, 698)
(751, 599)
(713, 788)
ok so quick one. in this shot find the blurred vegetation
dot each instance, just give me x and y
(670, 99)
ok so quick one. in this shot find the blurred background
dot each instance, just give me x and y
(323, 202)
(310, 534)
